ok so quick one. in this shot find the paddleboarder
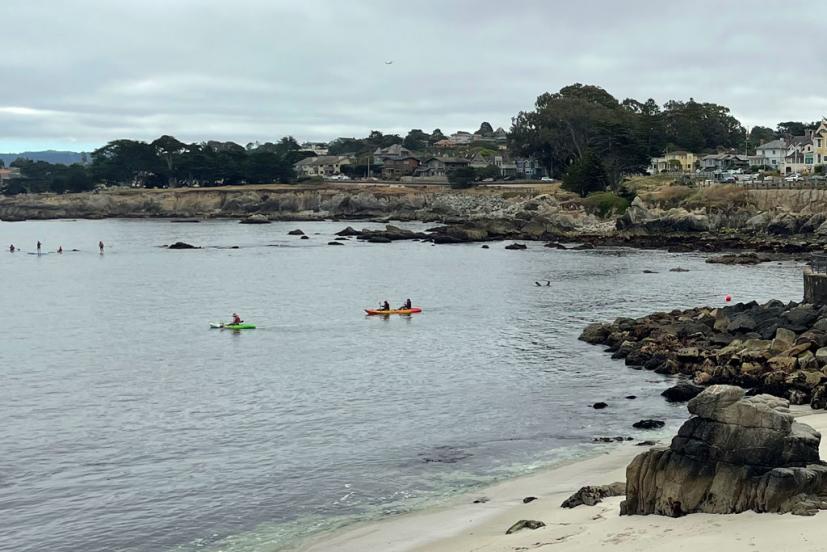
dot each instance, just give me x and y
(38, 247)
(100, 246)
(11, 248)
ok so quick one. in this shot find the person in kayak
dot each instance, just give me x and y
(236, 319)
(408, 304)
(11, 248)
(385, 306)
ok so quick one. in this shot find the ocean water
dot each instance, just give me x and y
(129, 425)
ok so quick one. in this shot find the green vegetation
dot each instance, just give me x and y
(462, 177)
(623, 135)
(605, 204)
(585, 175)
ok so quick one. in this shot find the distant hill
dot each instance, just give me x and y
(50, 156)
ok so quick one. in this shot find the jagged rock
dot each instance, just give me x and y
(255, 219)
(378, 239)
(304, 238)
(784, 339)
(517, 246)
(739, 259)
(595, 333)
(821, 356)
(295, 232)
(335, 243)
(525, 524)
(648, 424)
(736, 454)
(591, 495)
(349, 231)
(682, 392)
(182, 245)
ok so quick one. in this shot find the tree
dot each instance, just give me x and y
(486, 129)
(795, 128)
(698, 127)
(461, 177)
(586, 175)
(436, 136)
(761, 135)
(416, 140)
(489, 171)
(580, 118)
(127, 161)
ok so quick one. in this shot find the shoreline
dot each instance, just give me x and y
(462, 526)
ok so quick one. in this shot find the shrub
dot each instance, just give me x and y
(462, 177)
(605, 204)
(586, 175)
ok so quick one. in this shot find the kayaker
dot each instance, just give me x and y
(237, 319)
(385, 306)
(38, 246)
(408, 304)
(11, 248)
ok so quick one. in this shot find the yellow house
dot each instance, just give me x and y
(675, 161)
(820, 143)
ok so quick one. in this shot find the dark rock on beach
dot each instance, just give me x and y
(591, 495)
(295, 232)
(737, 453)
(682, 392)
(648, 424)
(525, 524)
(335, 243)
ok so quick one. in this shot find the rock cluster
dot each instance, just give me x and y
(736, 453)
(592, 495)
(775, 348)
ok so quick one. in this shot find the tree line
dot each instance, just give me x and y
(163, 162)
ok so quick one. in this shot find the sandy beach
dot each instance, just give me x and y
(465, 527)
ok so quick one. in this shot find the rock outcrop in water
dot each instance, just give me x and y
(736, 454)
(775, 348)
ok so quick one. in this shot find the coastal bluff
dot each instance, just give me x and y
(735, 454)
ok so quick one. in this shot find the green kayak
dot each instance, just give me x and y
(223, 326)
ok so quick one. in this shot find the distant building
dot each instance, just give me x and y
(770, 154)
(801, 155)
(675, 161)
(443, 144)
(440, 166)
(392, 152)
(319, 148)
(529, 168)
(324, 165)
(718, 163)
(820, 143)
(397, 167)
(461, 138)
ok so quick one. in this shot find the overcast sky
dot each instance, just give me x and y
(77, 73)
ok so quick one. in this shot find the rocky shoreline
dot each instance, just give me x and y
(775, 348)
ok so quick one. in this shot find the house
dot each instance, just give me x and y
(462, 138)
(8, 173)
(391, 152)
(820, 143)
(397, 167)
(770, 154)
(719, 162)
(528, 168)
(480, 161)
(675, 161)
(323, 165)
(440, 166)
(500, 135)
(801, 155)
(443, 144)
(506, 165)
(317, 148)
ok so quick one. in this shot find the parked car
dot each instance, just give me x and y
(547, 179)
(339, 177)
(729, 180)
(793, 178)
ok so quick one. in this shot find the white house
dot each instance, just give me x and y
(771, 154)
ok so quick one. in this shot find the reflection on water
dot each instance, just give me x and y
(130, 425)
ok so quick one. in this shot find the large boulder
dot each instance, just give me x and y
(736, 454)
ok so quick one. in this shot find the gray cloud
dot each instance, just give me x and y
(77, 73)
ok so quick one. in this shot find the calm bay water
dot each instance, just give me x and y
(128, 425)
